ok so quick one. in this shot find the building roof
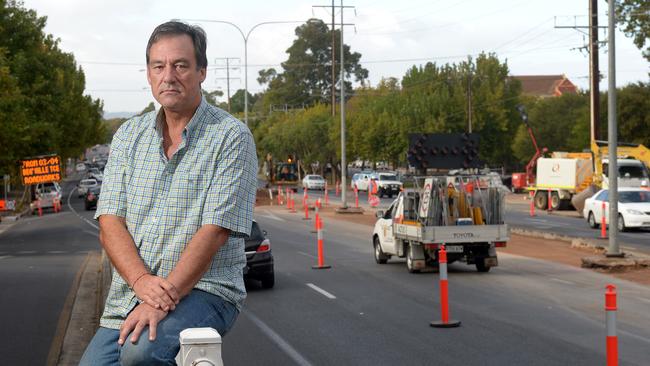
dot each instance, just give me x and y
(546, 85)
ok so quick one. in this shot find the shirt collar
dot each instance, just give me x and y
(194, 122)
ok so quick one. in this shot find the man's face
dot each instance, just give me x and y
(172, 73)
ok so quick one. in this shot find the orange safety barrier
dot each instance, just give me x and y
(444, 294)
(532, 203)
(338, 188)
(327, 199)
(305, 205)
(612, 338)
(603, 223)
(40, 209)
(550, 208)
(356, 196)
(321, 256)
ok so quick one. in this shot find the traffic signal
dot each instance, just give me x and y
(444, 151)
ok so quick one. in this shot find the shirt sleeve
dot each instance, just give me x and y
(112, 197)
(230, 199)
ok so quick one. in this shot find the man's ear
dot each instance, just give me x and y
(204, 73)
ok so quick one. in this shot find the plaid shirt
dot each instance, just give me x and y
(211, 179)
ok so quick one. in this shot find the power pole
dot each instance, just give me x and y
(333, 64)
(227, 78)
(344, 204)
(594, 72)
(469, 97)
(612, 136)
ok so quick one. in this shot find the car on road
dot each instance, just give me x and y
(84, 184)
(633, 208)
(80, 167)
(95, 173)
(313, 181)
(259, 258)
(46, 194)
(91, 197)
(362, 180)
(388, 185)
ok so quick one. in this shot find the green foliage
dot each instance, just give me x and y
(307, 76)
(42, 106)
(633, 115)
(634, 15)
(149, 108)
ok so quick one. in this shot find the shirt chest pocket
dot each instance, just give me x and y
(189, 189)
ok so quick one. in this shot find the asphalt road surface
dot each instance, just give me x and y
(39, 260)
(358, 312)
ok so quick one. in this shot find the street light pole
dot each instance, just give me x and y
(344, 203)
(245, 38)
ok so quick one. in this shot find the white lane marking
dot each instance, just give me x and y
(272, 216)
(278, 340)
(644, 300)
(4, 256)
(91, 233)
(76, 213)
(307, 255)
(321, 291)
(56, 252)
(537, 220)
(562, 281)
(27, 252)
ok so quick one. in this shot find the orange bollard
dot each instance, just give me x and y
(603, 223)
(356, 196)
(549, 202)
(612, 339)
(444, 294)
(305, 205)
(321, 257)
(532, 203)
(279, 194)
(293, 202)
(327, 199)
(316, 216)
(40, 209)
(338, 188)
(287, 196)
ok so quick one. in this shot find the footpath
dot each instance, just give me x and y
(94, 278)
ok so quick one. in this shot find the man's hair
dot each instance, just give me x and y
(174, 28)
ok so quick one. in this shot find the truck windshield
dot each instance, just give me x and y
(628, 171)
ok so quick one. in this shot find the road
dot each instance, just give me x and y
(567, 223)
(39, 260)
(360, 313)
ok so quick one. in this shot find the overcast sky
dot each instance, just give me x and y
(108, 38)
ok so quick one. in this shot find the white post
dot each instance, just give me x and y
(199, 346)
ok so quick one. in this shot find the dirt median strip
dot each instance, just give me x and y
(526, 243)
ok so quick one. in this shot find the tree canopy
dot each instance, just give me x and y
(43, 108)
(634, 16)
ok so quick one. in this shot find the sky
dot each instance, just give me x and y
(108, 38)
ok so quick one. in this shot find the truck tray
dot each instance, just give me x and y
(452, 234)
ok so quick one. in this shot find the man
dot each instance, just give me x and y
(176, 204)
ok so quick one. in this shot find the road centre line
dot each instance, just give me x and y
(272, 216)
(76, 213)
(277, 339)
(5, 256)
(91, 233)
(306, 255)
(321, 291)
(562, 281)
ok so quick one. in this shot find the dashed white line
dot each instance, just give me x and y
(306, 255)
(644, 300)
(91, 233)
(321, 291)
(272, 216)
(4, 256)
(277, 339)
(56, 252)
(27, 252)
(562, 281)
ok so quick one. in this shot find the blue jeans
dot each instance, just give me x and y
(198, 309)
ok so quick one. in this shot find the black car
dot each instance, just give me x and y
(91, 197)
(259, 259)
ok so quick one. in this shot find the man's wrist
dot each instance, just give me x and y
(140, 276)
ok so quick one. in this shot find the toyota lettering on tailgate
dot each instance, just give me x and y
(463, 235)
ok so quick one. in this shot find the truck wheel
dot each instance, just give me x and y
(409, 263)
(480, 265)
(541, 200)
(592, 221)
(380, 257)
(555, 201)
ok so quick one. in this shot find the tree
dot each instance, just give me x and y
(634, 16)
(41, 91)
(307, 78)
(149, 108)
(237, 101)
(211, 97)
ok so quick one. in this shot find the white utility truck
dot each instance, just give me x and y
(466, 218)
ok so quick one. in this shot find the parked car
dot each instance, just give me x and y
(388, 185)
(259, 258)
(84, 184)
(362, 180)
(633, 208)
(46, 194)
(313, 181)
(80, 167)
(91, 197)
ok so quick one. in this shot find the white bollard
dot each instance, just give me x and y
(199, 346)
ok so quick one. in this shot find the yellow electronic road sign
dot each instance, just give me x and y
(42, 169)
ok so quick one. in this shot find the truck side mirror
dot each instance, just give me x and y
(379, 214)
